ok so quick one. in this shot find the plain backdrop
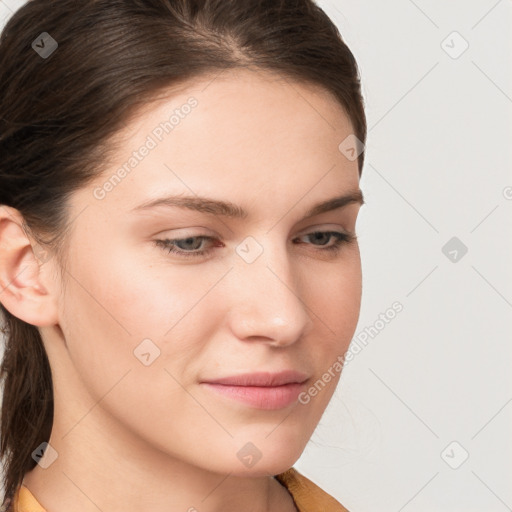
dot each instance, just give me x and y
(422, 416)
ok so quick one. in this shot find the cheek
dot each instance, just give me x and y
(126, 303)
(107, 318)
(135, 295)
(334, 297)
(334, 300)
(111, 305)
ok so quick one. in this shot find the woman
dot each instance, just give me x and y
(180, 274)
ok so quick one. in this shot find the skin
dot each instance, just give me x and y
(131, 437)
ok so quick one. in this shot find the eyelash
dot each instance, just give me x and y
(169, 244)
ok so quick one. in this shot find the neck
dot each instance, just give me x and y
(99, 467)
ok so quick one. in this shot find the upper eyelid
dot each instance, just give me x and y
(329, 226)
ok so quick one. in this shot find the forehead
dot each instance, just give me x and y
(242, 133)
(260, 102)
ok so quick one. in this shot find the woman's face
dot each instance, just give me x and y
(142, 328)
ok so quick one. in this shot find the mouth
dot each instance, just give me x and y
(263, 390)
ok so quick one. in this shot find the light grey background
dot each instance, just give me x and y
(432, 386)
(438, 161)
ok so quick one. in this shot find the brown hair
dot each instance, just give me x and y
(59, 112)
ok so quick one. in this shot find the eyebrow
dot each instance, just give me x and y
(231, 210)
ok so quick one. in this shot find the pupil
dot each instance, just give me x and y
(190, 240)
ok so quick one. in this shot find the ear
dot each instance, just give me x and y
(25, 277)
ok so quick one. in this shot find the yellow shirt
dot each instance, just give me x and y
(308, 497)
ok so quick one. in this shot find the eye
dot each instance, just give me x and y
(190, 248)
(188, 243)
(340, 239)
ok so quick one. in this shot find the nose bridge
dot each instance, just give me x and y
(270, 300)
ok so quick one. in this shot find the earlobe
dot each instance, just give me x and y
(25, 286)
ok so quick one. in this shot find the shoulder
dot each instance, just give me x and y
(308, 496)
(21, 501)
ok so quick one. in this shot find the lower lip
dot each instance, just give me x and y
(268, 397)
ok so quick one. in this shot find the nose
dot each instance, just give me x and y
(269, 303)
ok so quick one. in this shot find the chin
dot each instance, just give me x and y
(269, 456)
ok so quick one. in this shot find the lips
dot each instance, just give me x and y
(262, 379)
(262, 390)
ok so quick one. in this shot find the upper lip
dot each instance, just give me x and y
(262, 379)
